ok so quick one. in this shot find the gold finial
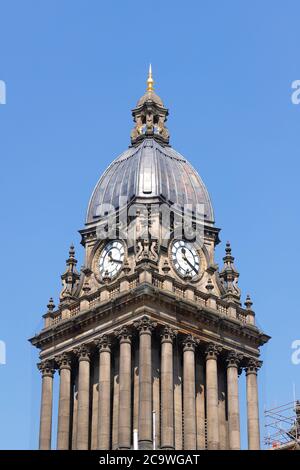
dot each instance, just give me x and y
(150, 81)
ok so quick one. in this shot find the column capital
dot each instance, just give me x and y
(189, 343)
(46, 368)
(123, 335)
(212, 351)
(168, 334)
(233, 359)
(252, 366)
(64, 360)
(145, 325)
(83, 352)
(103, 343)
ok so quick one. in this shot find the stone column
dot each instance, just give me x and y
(104, 396)
(252, 404)
(200, 401)
(64, 406)
(145, 327)
(213, 439)
(167, 386)
(124, 433)
(222, 406)
(233, 360)
(83, 412)
(189, 393)
(47, 370)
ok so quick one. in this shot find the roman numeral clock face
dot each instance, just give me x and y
(111, 259)
(185, 259)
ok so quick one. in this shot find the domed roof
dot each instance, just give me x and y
(149, 171)
(150, 96)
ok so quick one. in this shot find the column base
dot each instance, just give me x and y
(166, 447)
(145, 445)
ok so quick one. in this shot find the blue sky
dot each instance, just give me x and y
(73, 71)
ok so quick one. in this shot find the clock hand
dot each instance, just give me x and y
(188, 262)
(112, 260)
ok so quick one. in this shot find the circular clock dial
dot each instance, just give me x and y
(111, 259)
(185, 258)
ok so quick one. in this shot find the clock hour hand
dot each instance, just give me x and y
(112, 260)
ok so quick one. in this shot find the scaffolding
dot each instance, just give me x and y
(282, 426)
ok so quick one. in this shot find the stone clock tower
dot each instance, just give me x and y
(150, 337)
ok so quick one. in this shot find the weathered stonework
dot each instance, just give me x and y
(163, 350)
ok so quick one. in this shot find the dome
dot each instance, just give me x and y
(148, 171)
(150, 96)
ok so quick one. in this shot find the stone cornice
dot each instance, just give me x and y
(146, 294)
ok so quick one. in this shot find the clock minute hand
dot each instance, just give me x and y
(188, 262)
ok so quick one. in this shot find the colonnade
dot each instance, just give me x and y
(126, 394)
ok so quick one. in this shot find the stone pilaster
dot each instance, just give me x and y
(189, 393)
(64, 407)
(213, 438)
(124, 421)
(233, 360)
(104, 392)
(167, 393)
(145, 327)
(47, 370)
(83, 410)
(252, 404)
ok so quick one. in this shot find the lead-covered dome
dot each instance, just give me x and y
(149, 171)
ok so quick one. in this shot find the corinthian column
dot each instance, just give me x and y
(145, 327)
(83, 353)
(47, 370)
(104, 409)
(64, 406)
(213, 439)
(167, 393)
(189, 393)
(252, 404)
(124, 433)
(233, 360)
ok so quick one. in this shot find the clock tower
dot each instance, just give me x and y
(150, 337)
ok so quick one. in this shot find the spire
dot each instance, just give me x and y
(150, 81)
(150, 116)
(51, 305)
(229, 277)
(70, 277)
(248, 302)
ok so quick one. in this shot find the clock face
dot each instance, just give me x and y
(185, 259)
(111, 259)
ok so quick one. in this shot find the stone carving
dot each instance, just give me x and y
(233, 359)
(213, 350)
(168, 334)
(70, 278)
(46, 368)
(103, 343)
(252, 366)
(64, 361)
(145, 325)
(83, 352)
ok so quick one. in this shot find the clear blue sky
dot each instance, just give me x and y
(73, 70)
